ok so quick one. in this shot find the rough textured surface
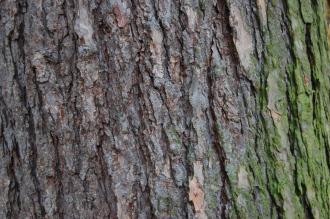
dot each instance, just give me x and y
(164, 109)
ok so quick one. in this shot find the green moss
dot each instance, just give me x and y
(166, 205)
(212, 190)
(307, 11)
(287, 167)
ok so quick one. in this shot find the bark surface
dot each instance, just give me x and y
(164, 109)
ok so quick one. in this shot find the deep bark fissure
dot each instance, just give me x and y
(14, 187)
(58, 175)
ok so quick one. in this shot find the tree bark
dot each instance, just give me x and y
(164, 109)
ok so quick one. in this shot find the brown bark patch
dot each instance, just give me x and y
(120, 17)
(196, 195)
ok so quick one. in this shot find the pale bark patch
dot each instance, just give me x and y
(262, 11)
(121, 213)
(243, 181)
(243, 39)
(289, 207)
(192, 18)
(198, 171)
(83, 26)
(196, 195)
(157, 50)
(275, 115)
(120, 16)
(89, 106)
(89, 72)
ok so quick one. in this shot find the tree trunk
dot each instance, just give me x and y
(164, 109)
